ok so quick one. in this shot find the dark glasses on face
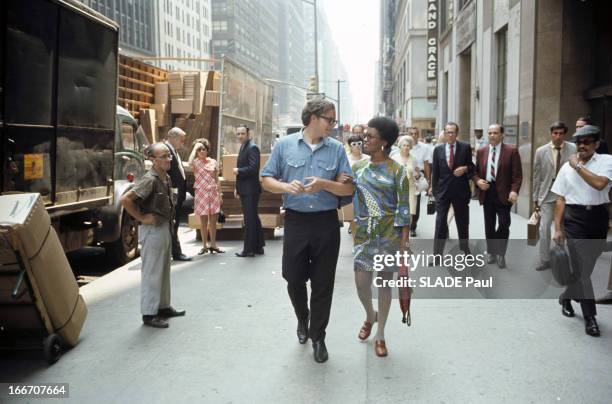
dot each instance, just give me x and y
(586, 142)
(355, 144)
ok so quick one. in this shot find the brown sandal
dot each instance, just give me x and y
(366, 329)
(380, 348)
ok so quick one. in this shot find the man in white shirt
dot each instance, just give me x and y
(581, 217)
(420, 153)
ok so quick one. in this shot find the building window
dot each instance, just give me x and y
(502, 73)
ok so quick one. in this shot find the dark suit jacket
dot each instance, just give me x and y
(444, 183)
(175, 175)
(509, 173)
(247, 180)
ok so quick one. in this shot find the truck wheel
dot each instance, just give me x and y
(52, 348)
(125, 248)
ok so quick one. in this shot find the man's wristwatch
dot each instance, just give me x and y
(578, 167)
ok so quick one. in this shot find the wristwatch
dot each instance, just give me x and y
(578, 167)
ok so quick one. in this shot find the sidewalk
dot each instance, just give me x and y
(238, 344)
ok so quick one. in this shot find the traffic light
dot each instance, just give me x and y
(313, 86)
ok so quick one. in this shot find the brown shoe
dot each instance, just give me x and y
(380, 348)
(366, 329)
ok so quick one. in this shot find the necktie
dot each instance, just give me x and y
(451, 158)
(558, 160)
(493, 165)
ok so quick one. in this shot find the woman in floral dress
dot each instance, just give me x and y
(207, 201)
(382, 217)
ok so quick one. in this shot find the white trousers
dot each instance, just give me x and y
(156, 244)
(547, 217)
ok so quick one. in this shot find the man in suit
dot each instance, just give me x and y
(452, 168)
(547, 162)
(498, 176)
(175, 141)
(248, 190)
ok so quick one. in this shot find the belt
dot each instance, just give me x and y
(587, 207)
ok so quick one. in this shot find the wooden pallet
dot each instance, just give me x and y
(137, 84)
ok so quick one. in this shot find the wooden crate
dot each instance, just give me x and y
(137, 80)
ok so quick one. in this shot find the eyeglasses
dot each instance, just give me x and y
(329, 120)
(586, 142)
(201, 149)
(355, 144)
(368, 136)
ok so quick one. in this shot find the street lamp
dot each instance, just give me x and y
(313, 3)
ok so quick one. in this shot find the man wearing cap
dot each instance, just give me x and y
(581, 217)
(547, 162)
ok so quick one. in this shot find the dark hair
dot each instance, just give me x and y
(451, 123)
(500, 126)
(353, 138)
(387, 128)
(243, 126)
(316, 106)
(559, 125)
(586, 120)
(205, 143)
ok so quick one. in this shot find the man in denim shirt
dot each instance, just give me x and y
(312, 171)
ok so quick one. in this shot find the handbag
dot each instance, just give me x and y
(431, 205)
(533, 228)
(562, 270)
(221, 217)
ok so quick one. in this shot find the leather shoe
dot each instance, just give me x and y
(380, 348)
(260, 251)
(413, 233)
(320, 351)
(607, 299)
(491, 258)
(244, 254)
(168, 312)
(154, 321)
(501, 261)
(181, 257)
(543, 266)
(302, 330)
(566, 307)
(591, 327)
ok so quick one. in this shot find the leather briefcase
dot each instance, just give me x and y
(431, 206)
(562, 270)
(533, 228)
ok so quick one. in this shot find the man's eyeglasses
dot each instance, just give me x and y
(356, 144)
(329, 120)
(368, 136)
(586, 142)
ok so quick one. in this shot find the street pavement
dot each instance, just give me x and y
(237, 343)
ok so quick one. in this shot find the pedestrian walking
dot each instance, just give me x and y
(175, 141)
(311, 170)
(498, 176)
(355, 143)
(581, 218)
(150, 202)
(208, 196)
(548, 160)
(413, 171)
(248, 189)
(382, 217)
(422, 155)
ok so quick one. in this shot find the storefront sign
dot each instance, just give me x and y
(432, 48)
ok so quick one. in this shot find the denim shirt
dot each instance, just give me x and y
(293, 159)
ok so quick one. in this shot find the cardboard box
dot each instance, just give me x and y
(147, 121)
(347, 213)
(213, 99)
(271, 221)
(229, 162)
(162, 92)
(162, 114)
(182, 106)
(26, 226)
(175, 84)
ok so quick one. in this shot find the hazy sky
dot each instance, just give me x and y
(355, 27)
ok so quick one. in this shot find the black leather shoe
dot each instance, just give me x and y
(181, 257)
(260, 251)
(170, 312)
(491, 258)
(154, 321)
(501, 261)
(302, 330)
(607, 299)
(591, 327)
(543, 266)
(413, 233)
(466, 252)
(243, 254)
(566, 307)
(320, 351)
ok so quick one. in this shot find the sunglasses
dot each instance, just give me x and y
(201, 149)
(355, 144)
(586, 142)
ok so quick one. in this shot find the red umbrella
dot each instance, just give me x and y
(405, 293)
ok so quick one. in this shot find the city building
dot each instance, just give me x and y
(386, 57)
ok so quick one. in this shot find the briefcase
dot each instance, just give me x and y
(431, 206)
(562, 270)
(533, 228)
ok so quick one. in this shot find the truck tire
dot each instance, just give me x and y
(125, 248)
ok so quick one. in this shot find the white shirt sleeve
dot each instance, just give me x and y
(560, 185)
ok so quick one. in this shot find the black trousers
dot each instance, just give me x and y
(253, 232)
(462, 219)
(310, 252)
(586, 231)
(496, 211)
(415, 217)
(178, 212)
